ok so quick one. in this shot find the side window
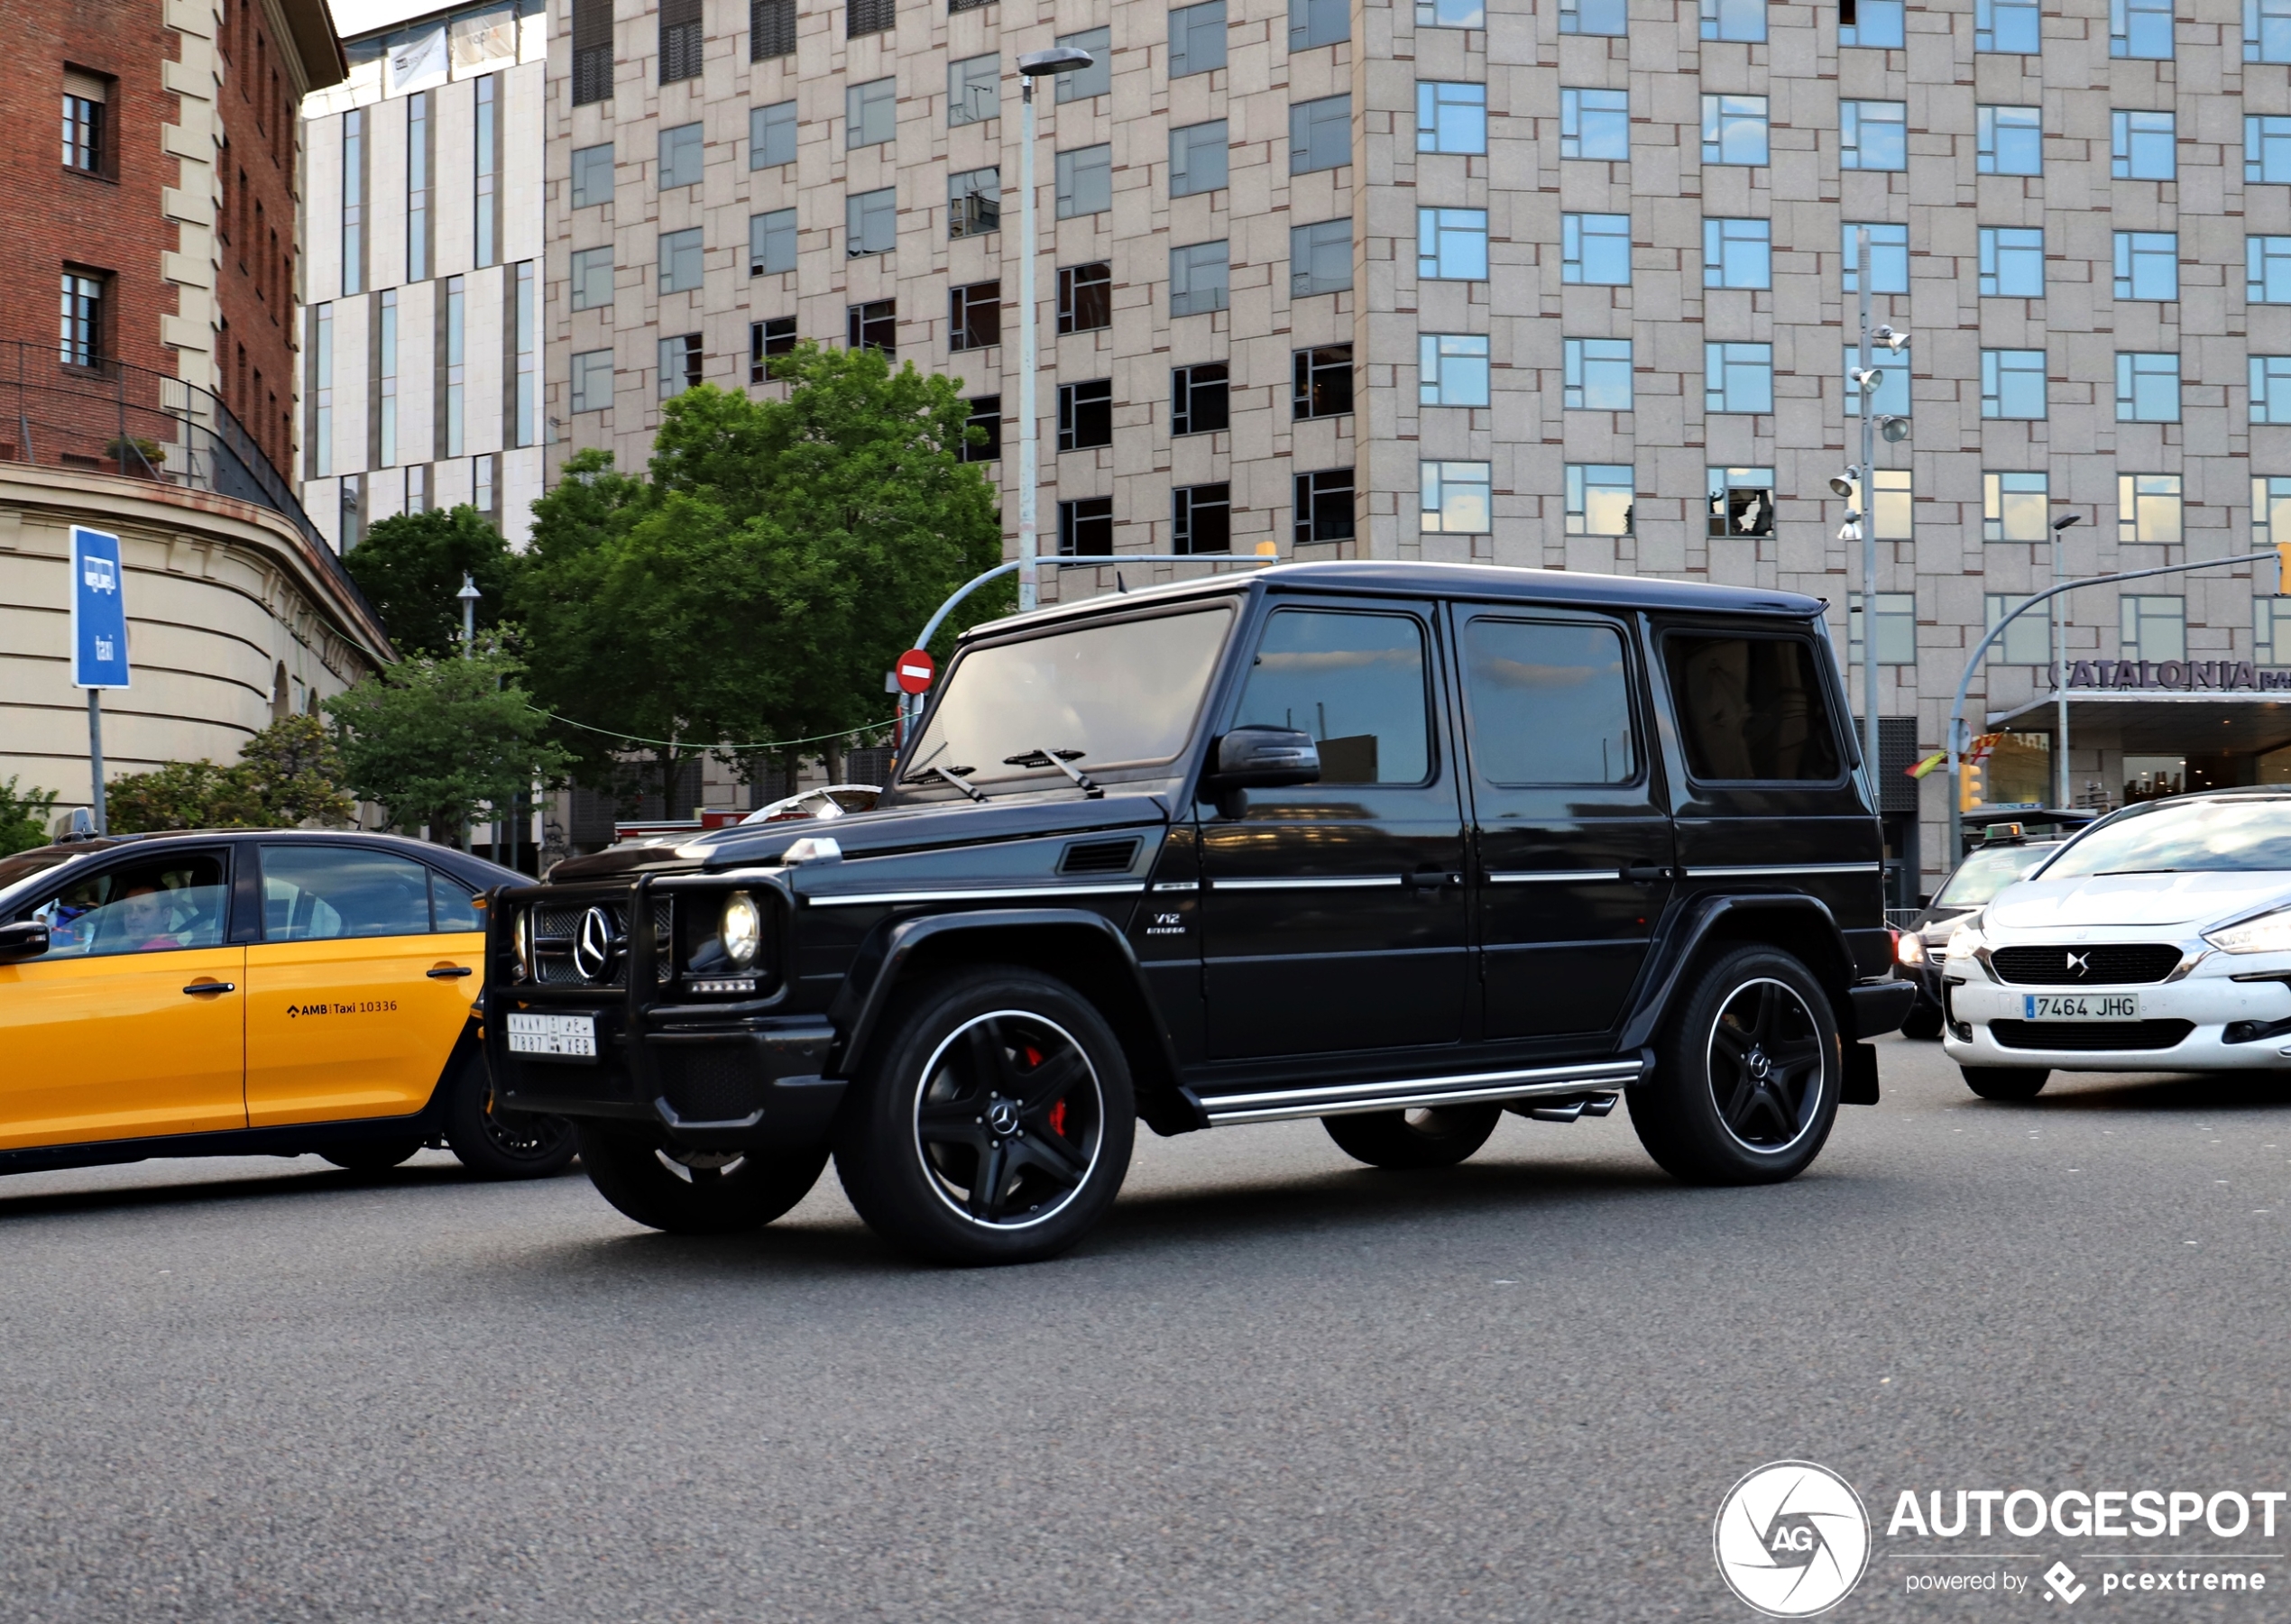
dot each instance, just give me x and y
(453, 907)
(322, 893)
(1356, 682)
(160, 904)
(1548, 703)
(1752, 708)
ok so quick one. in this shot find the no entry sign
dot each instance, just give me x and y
(915, 670)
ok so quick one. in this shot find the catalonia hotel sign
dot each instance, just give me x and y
(2217, 676)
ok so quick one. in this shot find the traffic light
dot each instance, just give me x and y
(1969, 786)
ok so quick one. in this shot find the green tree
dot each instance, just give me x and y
(298, 773)
(23, 817)
(410, 567)
(432, 740)
(288, 775)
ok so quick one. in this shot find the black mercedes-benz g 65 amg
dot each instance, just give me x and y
(1398, 845)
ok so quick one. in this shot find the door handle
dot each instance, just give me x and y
(1647, 874)
(447, 972)
(196, 987)
(1433, 879)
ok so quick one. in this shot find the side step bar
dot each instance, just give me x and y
(1567, 1083)
(1566, 1110)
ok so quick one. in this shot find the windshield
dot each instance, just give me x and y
(1985, 873)
(1109, 695)
(2185, 837)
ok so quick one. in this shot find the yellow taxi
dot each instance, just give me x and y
(255, 993)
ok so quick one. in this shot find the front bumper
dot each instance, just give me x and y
(2213, 1007)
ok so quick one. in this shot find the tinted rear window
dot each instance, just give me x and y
(1752, 708)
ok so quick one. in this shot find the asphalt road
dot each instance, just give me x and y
(1275, 1386)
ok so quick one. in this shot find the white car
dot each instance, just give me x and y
(828, 801)
(2157, 939)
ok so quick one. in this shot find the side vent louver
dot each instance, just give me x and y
(1098, 857)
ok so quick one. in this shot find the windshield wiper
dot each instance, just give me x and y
(916, 772)
(949, 773)
(1060, 760)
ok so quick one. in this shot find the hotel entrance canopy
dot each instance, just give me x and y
(2160, 722)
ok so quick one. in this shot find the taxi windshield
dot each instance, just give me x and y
(1112, 695)
(2245, 835)
(1985, 873)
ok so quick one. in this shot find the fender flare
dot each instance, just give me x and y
(1675, 949)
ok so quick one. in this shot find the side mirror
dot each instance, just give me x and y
(1250, 758)
(26, 938)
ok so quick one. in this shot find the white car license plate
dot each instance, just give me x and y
(570, 1037)
(2081, 1006)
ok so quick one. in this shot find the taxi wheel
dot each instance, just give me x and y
(379, 1157)
(495, 1143)
(1922, 1022)
(694, 1192)
(1440, 1136)
(2006, 1082)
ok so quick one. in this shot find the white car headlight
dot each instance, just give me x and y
(742, 930)
(1968, 940)
(1910, 949)
(2269, 934)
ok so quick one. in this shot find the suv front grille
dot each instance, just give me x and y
(2103, 964)
(556, 930)
(2090, 1036)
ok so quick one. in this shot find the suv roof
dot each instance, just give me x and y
(1446, 580)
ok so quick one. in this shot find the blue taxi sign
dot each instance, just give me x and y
(98, 611)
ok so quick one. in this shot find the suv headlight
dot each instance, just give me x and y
(1967, 940)
(1909, 950)
(740, 931)
(2269, 934)
(522, 940)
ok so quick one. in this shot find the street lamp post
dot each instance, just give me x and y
(1034, 65)
(1861, 522)
(469, 595)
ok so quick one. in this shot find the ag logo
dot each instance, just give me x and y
(1791, 1539)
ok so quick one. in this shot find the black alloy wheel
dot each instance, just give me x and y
(1429, 1136)
(2006, 1082)
(691, 1192)
(493, 1143)
(993, 1123)
(1923, 1023)
(1747, 1074)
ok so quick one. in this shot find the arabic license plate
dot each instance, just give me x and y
(2081, 1006)
(565, 1037)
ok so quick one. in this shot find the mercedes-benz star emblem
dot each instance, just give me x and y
(2077, 964)
(1002, 1116)
(594, 947)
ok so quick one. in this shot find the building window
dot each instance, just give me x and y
(592, 279)
(1199, 281)
(1596, 373)
(2155, 626)
(2267, 30)
(2147, 388)
(593, 51)
(1738, 377)
(2271, 389)
(974, 90)
(352, 510)
(1891, 396)
(2142, 28)
(1598, 499)
(1742, 502)
(593, 176)
(1197, 399)
(592, 381)
(485, 204)
(684, 42)
(863, 17)
(1197, 159)
(1320, 134)
(83, 318)
(481, 484)
(1733, 129)
(1457, 498)
(2148, 509)
(353, 201)
(1086, 296)
(1594, 249)
(1872, 24)
(2009, 27)
(2009, 140)
(2012, 262)
(1323, 507)
(1314, 23)
(2148, 264)
(2267, 269)
(679, 364)
(2143, 146)
(320, 454)
(1609, 17)
(2015, 506)
(2267, 145)
(1196, 39)
(1451, 369)
(682, 157)
(974, 203)
(871, 112)
(1892, 511)
(1739, 20)
(1737, 253)
(1201, 519)
(872, 223)
(1320, 258)
(1453, 117)
(1085, 181)
(524, 334)
(452, 376)
(417, 488)
(771, 242)
(2271, 630)
(1086, 527)
(1321, 382)
(1451, 244)
(974, 315)
(1888, 257)
(774, 335)
(2012, 384)
(85, 96)
(1896, 623)
(2028, 641)
(418, 157)
(682, 260)
(1592, 124)
(872, 325)
(982, 435)
(771, 28)
(1098, 78)
(1086, 415)
(385, 374)
(1873, 135)
(771, 135)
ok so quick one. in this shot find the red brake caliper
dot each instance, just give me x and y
(1058, 1112)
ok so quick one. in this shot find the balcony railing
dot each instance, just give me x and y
(114, 418)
